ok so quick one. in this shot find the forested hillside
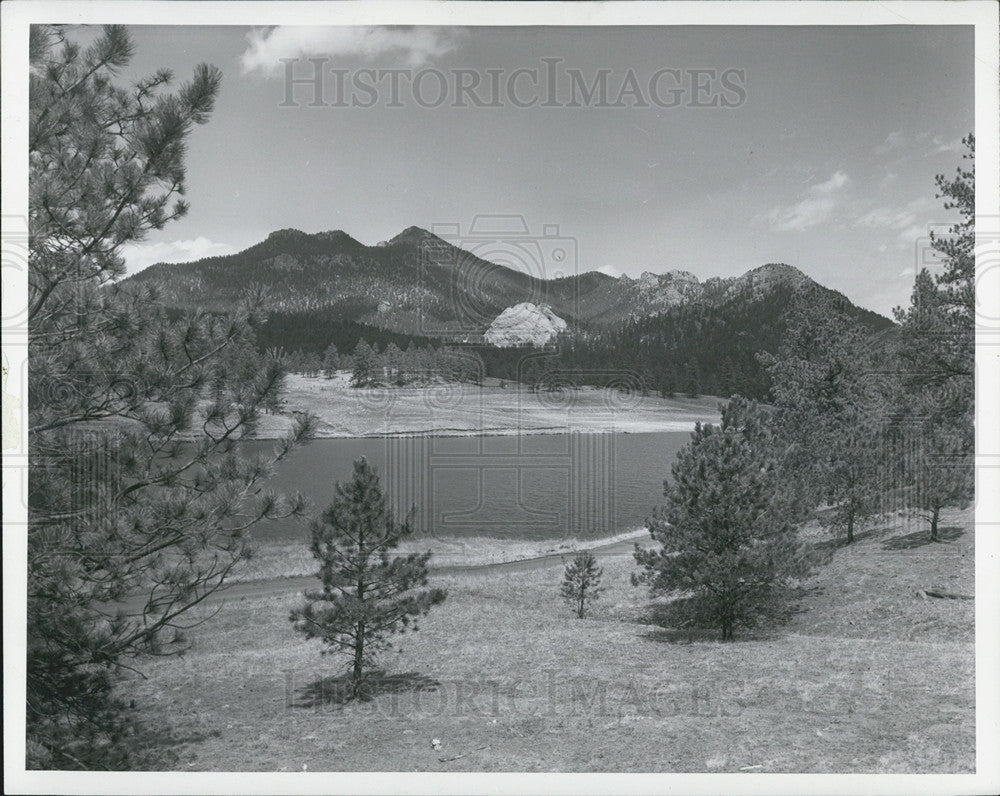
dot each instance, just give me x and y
(664, 332)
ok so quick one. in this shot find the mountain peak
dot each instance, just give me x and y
(411, 235)
(335, 234)
(288, 232)
(777, 272)
(783, 269)
(681, 276)
(291, 233)
(768, 276)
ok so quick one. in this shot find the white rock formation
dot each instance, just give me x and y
(523, 324)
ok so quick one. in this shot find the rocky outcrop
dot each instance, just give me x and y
(524, 324)
(759, 281)
(660, 291)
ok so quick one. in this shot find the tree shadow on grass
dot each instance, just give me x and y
(683, 635)
(823, 551)
(337, 690)
(678, 622)
(920, 538)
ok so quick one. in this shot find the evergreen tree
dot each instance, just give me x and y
(832, 397)
(331, 360)
(937, 352)
(935, 432)
(312, 364)
(366, 595)
(582, 582)
(957, 249)
(419, 361)
(365, 365)
(295, 362)
(392, 362)
(727, 543)
(140, 505)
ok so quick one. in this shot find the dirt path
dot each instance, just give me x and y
(274, 586)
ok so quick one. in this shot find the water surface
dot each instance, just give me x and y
(535, 486)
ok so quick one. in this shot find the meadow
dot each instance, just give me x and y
(869, 675)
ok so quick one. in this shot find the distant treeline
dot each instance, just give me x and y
(312, 332)
(692, 349)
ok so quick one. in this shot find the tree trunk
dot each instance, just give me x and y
(934, 523)
(850, 527)
(579, 609)
(359, 649)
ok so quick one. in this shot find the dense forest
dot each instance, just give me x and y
(694, 348)
(312, 332)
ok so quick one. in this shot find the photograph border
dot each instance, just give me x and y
(17, 15)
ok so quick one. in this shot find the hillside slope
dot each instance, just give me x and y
(669, 332)
(418, 283)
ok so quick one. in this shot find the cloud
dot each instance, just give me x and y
(814, 208)
(894, 140)
(416, 45)
(889, 178)
(910, 221)
(935, 144)
(899, 216)
(142, 255)
(886, 217)
(940, 146)
(835, 183)
(609, 270)
(911, 236)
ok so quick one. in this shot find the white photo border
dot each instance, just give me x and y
(16, 17)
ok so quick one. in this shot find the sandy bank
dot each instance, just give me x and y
(289, 560)
(469, 409)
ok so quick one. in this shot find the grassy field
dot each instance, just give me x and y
(460, 409)
(869, 676)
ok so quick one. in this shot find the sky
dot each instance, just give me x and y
(812, 146)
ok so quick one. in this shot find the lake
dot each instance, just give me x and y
(536, 486)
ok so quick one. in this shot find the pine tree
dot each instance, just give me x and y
(366, 595)
(331, 361)
(728, 547)
(832, 395)
(582, 582)
(312, 364)
(937, 352)
(392, 360)
(136, 484)
(364, 365)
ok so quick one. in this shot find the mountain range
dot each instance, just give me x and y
(419, 284)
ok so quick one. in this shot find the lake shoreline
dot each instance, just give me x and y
(671, 427)
(275, 561)
(470, 410)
